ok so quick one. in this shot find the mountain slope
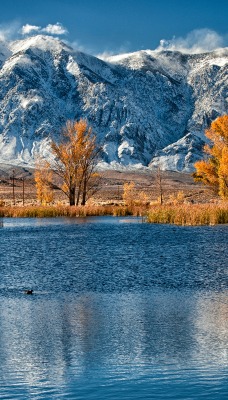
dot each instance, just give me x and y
(179, 156)
(138, 104)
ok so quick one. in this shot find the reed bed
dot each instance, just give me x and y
(67, 211)
(182, 214)
(189, 214)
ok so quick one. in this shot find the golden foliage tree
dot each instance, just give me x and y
(134, 197)
(76, 159)
(129, 193)
(177, 198)
(43, 181)
(214, 170)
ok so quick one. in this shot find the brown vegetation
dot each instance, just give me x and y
(189, 214)
(185, 214)
(71, 211)
(43, 177)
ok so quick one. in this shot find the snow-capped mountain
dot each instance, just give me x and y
(179, 156)
(148, 107)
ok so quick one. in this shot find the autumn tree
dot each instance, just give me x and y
(129, 193)
(76, 158)
(134, 197)
(43, 182)
(214, 170)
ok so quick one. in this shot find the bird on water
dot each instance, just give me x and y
(29, 291)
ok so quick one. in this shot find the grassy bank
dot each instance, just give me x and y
(189, 214)
(67, 211)
(182, 214)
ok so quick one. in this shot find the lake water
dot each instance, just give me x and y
(121, 310)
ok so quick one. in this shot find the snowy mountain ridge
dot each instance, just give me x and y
(147, 108)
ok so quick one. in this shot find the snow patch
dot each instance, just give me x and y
(181, 155)
(29, 100)
(41, 42)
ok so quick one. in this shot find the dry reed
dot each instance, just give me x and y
(184, 214)
(189, 214)
(67, 211)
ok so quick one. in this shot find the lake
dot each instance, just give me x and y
(121, 310)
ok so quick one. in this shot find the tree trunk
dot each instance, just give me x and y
(72, 196)
(78, 194)
(84, 192)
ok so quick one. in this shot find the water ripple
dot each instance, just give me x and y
(119, 310)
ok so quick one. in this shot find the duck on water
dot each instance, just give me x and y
(28, 291)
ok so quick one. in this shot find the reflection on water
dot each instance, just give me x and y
(46, 343)
(115, 325)
(41, 222)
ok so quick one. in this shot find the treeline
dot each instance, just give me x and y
(73, 171)
(76, 157)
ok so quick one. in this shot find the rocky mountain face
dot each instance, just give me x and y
(147, 108)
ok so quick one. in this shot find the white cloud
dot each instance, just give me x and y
(24, 60)
(52, 29)
(76, 45)
(56, 29)
(197, 41)
(123, 49)
(27, 29)
(8, 31)
(106, 55)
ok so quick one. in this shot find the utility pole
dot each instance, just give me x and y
(118, 189)
(13, 177)
(159, 183)
(23, 191)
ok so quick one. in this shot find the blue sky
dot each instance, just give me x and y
(116, 26)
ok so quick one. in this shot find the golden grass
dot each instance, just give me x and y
(189, 214)
(67, 211)
(182, 214)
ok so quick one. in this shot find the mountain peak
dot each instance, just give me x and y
(41, 42)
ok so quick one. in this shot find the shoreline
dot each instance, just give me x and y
(179, 214)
